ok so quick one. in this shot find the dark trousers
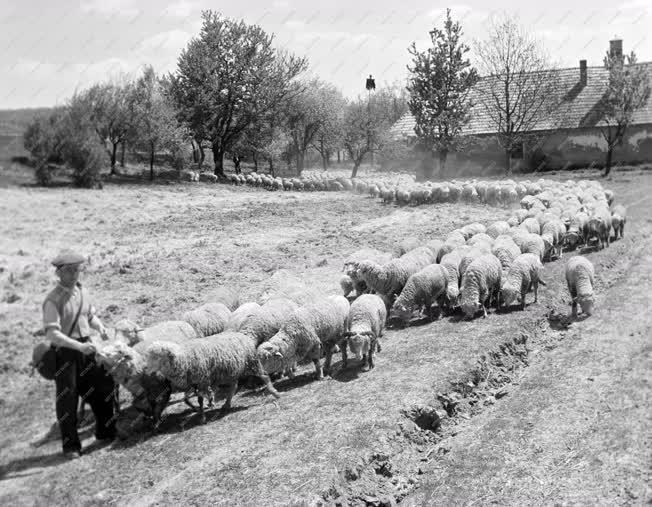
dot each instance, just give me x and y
(79, 375)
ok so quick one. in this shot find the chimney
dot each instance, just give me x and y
(616, 48)
(583, 72)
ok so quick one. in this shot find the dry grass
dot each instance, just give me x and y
(158, 250)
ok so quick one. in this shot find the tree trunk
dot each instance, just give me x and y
(607, 163)
(151, 162)
(195, 156)
(271, 167)
(202, 156)
(218, 157)
(255, 159)
(508, 162)
(122, 155)
(356, 164)
(338, 157)
(300, 162)
(322, 152)
(113, 157)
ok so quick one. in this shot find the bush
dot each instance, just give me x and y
(86, 159)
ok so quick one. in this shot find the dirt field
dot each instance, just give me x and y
(447, 400)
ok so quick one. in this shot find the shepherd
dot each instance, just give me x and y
(68, 317)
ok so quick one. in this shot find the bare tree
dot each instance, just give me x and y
(518, 91)
(628, 89)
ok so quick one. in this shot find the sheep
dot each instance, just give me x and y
(495, 229)
(131, 333)
(478, 238)
(435, 246)
(359, 255)
(208, 319)
(347, 285)
(390, 278)
(457, 237)
(599, 226)
(574, 236)
(533, 243)
(365, 326)
(205, 363)
(481, 282)
(406, 245)
(506, 251)
(451, 263)
(241, 315)
(306, 331)
(579, 278)
(522, 276)
(531, 225)
(472, 229)
(469, 256)
(552, 234)
(618, 220)
(422, 289)
(268, 319)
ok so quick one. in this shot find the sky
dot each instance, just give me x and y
(49, 49)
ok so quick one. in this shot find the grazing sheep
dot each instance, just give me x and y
(523, 275)
(599, 226)
(533, 243)
(552, 234)
(481, 282)
(366, 324)
(205, 363)
(469, 256)
(406, 245)
(422, 289)
(446, 248)
(579, 278)
(132, 333)
(479, 238)
(451, 263)
(618, 220)
(267, 320)
(304, 333)
(574, 236)
(457, 237)
(531, 225)
(347, 285)
(208, 319)
(497, 228)
(506, 251)
(390, 278)
(241, 315)
(472, 229)
(360, 255)
(435, 246)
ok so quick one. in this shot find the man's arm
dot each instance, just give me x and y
(52, 325)
(95, 323)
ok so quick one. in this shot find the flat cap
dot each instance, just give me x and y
(68, 257)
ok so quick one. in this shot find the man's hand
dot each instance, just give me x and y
(104, 333)
(87, 349)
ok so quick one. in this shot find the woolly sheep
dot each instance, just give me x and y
(451, 263)
(360, 255)
(506, 251)
(531, 225)
(166, 330)
(495, 229)
(422, 289)
(304, 333)
(579, 278)
(435, 246)
(390, 278)
(481, 282)
(618, 220)
(472, 229)
(469, 256)
(407, 244)
(241, 315)
(478, 238)
(365, 326)
(208, 319)
(457, 237)
(574, 236)
(347, 285)
(267, 320)
(552, 234)
(599, 226)
(523, 275)
(533, 243)
(206, 363)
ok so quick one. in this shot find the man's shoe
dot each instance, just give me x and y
(70, 455)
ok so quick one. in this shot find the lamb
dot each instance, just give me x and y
(579, 278)
(241, 315)
(268, 319)
(618, 220)
(208, 319)
(390, 278)
(552, 234)
(497, 228)
(523, 275)
(366, 323)
(481, 282)
(533, 243)
(205, 363)
(422, 289)
(303, 335)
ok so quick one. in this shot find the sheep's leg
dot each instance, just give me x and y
(200, 401)
(484, 311)
(186, 399)
(370, 355)
(536, 291)
(345, 355)
(329, 358)
(229, 395)
(523, 295)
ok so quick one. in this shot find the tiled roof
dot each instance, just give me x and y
(581, 105)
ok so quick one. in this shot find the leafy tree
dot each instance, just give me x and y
(154, 119)
(227, 78)
(519, 90)
(441, 78)
(628, 89)
(45, 139)
(329, 136)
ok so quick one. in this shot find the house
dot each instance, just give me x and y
(572, 139)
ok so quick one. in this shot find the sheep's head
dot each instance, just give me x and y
(509, 295)
(130, 332)
(571, 239)
(586, 303)
(119, 360)
(400, 312)
(470, 308)
(359, 343)
(270, 357)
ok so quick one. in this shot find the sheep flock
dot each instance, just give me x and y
(467, 271)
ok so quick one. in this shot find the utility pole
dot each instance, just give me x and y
(370, 85)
